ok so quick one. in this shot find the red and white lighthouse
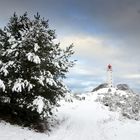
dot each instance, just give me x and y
(109, 76)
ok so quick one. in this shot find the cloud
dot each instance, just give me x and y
(103, 31)
(132, 76)
(94, 54)
(91, 46)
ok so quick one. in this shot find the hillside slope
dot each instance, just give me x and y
(81, 120)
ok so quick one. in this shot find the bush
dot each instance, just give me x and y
(128, 105)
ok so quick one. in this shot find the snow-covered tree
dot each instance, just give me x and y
(32, 66)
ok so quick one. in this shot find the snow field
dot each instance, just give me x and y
(80, 120)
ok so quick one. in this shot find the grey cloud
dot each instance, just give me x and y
(116, 21)
(120, 18)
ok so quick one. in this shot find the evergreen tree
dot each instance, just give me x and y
(32, 67)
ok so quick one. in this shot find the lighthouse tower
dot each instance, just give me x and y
(109, 76)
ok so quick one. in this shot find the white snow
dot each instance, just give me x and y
(39, 102)
(80, 120)
(33, 58)
(14, 45)
(50, 81)
(5, 66)
(2, 86)
(45, 78)
(4, 70)
(21, 84)
(36, 47)
(40, 80)
(11, 39)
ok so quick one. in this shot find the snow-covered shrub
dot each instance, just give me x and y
(32, 66)
(128, 105)
(131, 108)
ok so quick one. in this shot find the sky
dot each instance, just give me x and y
(103, 32)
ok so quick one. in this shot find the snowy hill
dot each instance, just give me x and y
(121, 87)
(87, 119)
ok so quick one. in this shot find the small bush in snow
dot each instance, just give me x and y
(128, 105)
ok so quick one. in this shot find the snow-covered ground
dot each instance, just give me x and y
(80, 120)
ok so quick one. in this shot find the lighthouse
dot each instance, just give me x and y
(109, 76)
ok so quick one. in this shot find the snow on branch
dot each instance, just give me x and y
(33, 58)
(5, 66)
(21, 84)
(36, 47)
(46, 78)
(2, 86)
